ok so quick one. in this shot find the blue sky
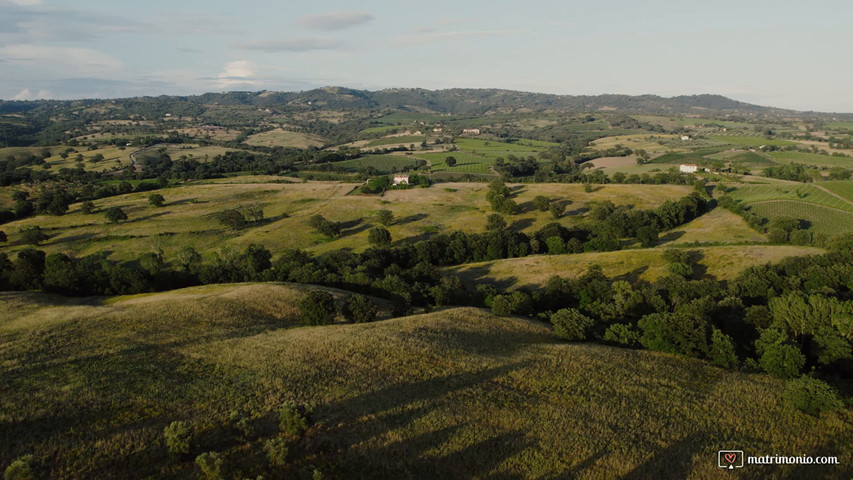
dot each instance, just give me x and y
(776, 53)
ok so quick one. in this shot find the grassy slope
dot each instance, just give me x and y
(717, 226)
(723, 263)
(89, 387)
(284, 138)
(187, 217)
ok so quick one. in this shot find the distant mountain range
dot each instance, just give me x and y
(460, 101)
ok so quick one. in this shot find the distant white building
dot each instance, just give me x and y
(688, 168)
(685, 137)
(437, 130)
(472, 131)
(401, 179)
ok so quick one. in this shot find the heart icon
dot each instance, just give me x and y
(730, 457)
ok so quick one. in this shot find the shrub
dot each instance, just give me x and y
(317, 308)
(622, 334)
(116, 214)
(212, 465)
(3, 238)
(291, 422)
(571, 324)
(20, 469)
(359, 309)
(178, 437)
(722, 351)
(782, 360)
(277, 450)
(379, 236)
(811, 395)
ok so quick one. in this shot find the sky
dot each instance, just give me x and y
(787, 54)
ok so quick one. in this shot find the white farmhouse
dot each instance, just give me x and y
(472, 131)
(401, 179)
(688, 168)
(685, 137)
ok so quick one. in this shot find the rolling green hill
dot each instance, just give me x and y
(89, 385)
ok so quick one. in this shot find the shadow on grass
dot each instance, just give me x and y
(401, 406)
(481, 274)
(411, 219)
(521, 224)
(670, 237)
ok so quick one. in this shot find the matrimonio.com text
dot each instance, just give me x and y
(731, 459)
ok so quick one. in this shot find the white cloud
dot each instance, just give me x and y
(294, 44)
(237, 74)
(335, 20)
(71, 61)
(26, 94)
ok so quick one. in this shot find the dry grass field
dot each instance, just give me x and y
(721, 263)
(453, 393)
(719, 226)
(284, 138)
(188, 216)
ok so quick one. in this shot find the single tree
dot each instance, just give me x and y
(556, 209)
(495, 222)
(87, 207)
(385, 217)
(317, 308)
(156, 200)
(33, 235)
(541, 203)
(115, 214)
(450, 161)
(571, 324)
(379, 236)
(232, 218)
(359, 309)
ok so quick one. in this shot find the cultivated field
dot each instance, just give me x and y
(89, 387)
(818, 219)
(382, 163)
(805, 193)
(812, 159)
